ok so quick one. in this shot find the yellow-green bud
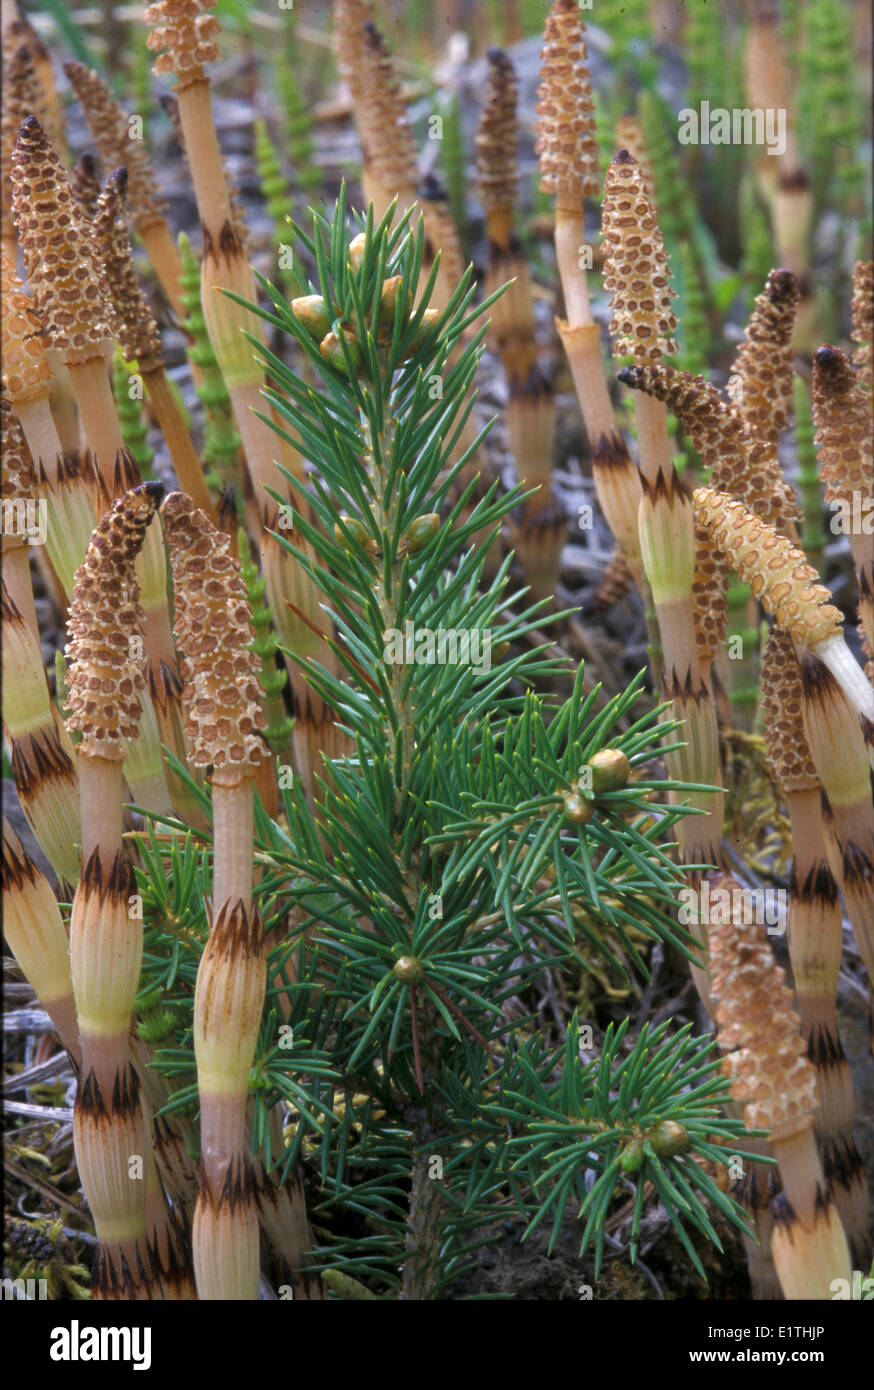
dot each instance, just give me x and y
(409, 970)
(610, 770)
(421, 531)
(332, 351)
(578, 809)
(426, 326)
(313, 314)
(356, 251)
(355, 529)
(669, 1138)
(632, 1156)
(389, 296)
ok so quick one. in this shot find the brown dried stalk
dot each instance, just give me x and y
(530, 408)
(842, 412)
(106, 937)
(222, 696)
(569, 168)
(111, 130)
(759, 1034)
(814, 931)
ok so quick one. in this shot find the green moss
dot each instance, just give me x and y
(130, 413)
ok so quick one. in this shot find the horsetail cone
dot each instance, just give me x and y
(862, 311)
(773, 1079)
(497, 163)
(777, 572)
(761, 384)
(566, 147)
(787, 586)
(786, 745)
(759, 1031)
(222, 693)
(105, 626)
(388, 146)
(709, 597)
(842, 412)
(137, 331)
(737, 463)
(630, 137)
(85, 183)
(66, 482)
(62, 265)
(110, 128)
(132, 320)
(636, 270)
(23, 96)
(26, 371)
